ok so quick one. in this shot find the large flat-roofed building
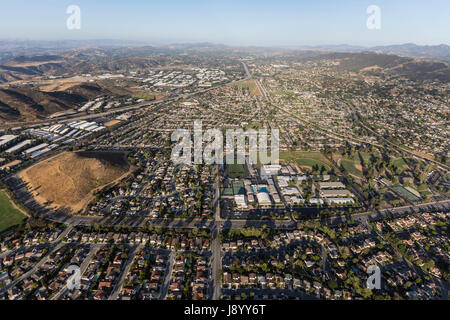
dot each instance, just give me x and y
(292, 200)
(249, 191)
(273, 191)
(19, 146)
(263, 199)
(340, 200)
(335, 193)
(241, 202)
(283, 181)
(331, 185)
(267, 171)
(290, 191)
(36, 148)
(316, 201)
(288, 170)
(7, 138)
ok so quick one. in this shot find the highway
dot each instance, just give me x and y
(247, 72)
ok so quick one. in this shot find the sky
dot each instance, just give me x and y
(232, 22)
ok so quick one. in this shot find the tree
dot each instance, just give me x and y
(332, 284)
(264, 267)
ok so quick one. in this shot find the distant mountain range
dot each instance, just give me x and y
(439, 52)
(10, 48)
(66, 44)
(411, 50)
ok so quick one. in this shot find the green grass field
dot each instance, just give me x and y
(399, 163)
(294, 155)
(9, 216)
(311, 163)
(357, 159)
(349, 166)
(305, 158)
(250, 85)
(423, 189)
(350, 163)
(366, 156)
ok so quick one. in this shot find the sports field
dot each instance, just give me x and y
(235, 171)
(405, 193)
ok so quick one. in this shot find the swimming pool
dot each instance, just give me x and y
(260, 190)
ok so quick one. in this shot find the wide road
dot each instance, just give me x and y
(239, 224)
(247, 72)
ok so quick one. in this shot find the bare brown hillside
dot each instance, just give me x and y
(69, 179)
(29, 104)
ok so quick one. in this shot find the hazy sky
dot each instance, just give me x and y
(240, 22)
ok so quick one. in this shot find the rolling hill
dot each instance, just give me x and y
(29, 104)
(69, 179)
(387, 64)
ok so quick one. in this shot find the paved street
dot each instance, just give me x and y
(216, 262)
(124, 272)
(83, 267)
(167, 276)
(54, 246)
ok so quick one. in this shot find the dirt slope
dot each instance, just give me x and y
(69, 179)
